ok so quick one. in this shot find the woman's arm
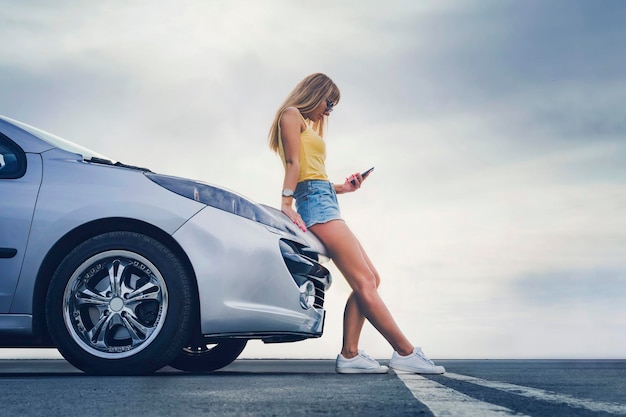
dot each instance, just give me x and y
(352, 183)
(291, 125)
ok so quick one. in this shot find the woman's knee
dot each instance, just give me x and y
(365, 283)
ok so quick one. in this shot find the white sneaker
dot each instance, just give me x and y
(360, 364)
(416, 363)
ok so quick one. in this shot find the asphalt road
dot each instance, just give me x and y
(479, 388)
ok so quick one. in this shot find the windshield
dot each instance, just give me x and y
(57, 141)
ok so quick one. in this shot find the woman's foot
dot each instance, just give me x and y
(416, 363)
(360, 364)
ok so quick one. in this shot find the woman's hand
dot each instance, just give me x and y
(293, 216)
(353, 183)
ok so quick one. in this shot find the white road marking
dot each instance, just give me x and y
(543, 395)
(447, 402)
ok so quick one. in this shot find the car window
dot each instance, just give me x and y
(12, 159)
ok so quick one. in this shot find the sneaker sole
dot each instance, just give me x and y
(417, 371)
(381, 370)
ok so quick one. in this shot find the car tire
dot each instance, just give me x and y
(120, 304)
(203, 357)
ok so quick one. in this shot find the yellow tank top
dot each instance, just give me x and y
(312, 155)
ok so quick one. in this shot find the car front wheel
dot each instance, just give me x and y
(120, 303)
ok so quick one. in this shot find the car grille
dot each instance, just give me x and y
(304, 268)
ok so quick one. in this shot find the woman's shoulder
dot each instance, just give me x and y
(291, 111)
(292, 115)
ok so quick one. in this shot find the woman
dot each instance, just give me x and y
(297, 136)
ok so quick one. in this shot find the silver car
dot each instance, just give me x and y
(125, 271)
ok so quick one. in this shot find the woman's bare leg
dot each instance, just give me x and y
(354, 264)
(353, 319)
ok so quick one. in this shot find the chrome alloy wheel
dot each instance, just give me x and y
(115, 304)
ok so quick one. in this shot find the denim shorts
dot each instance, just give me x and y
(316, 202)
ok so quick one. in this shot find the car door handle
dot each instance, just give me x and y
(7, 252)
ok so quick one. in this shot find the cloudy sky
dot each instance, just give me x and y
(497, 211)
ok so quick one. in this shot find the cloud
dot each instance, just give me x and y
(598, 288)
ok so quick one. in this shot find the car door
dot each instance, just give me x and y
(20, 178)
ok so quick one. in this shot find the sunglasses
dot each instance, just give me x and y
(329, 105)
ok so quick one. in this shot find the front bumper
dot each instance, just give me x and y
(250, 277)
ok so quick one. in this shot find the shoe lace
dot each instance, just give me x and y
(366, 356)
(421, 354)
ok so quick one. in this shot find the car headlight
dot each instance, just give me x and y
(219, 198)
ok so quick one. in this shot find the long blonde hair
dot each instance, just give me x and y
(305, 97)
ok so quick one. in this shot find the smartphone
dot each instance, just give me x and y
(364, 175)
